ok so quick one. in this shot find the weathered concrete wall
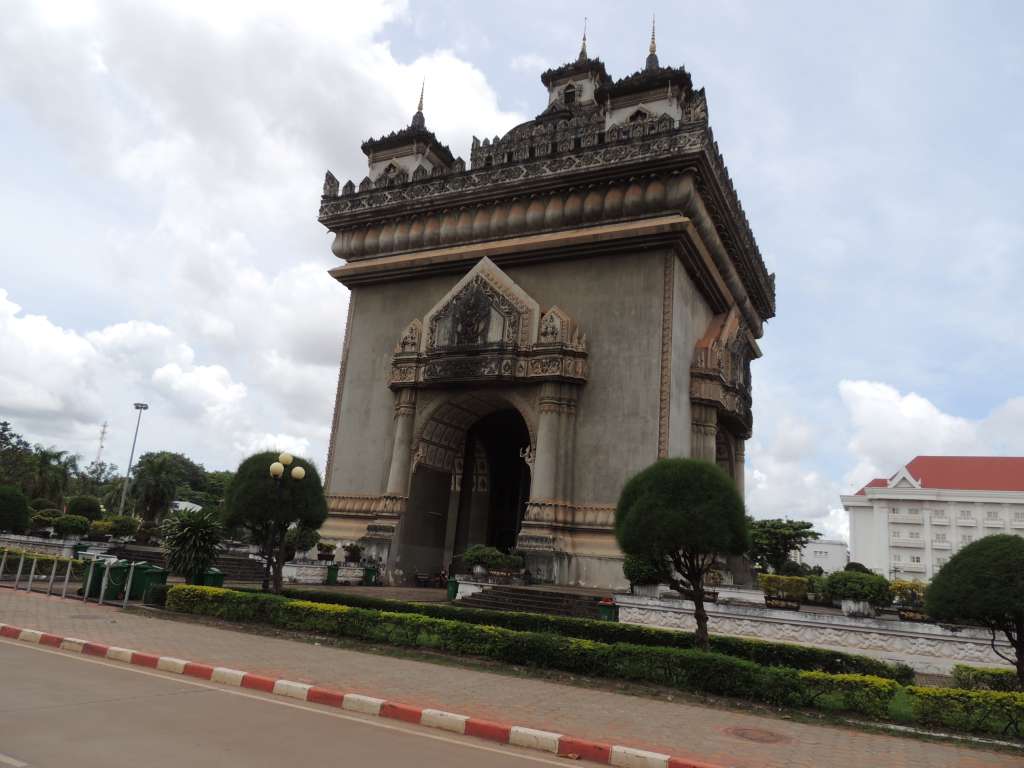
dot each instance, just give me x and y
(928, 648)
(690, 318)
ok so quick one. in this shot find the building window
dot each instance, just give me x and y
(569, 94)
(915, 534)
(1018, 515)
(992, 514)
(965, 514)
(940, 536)
(915, 558)
(897, 557)
(939, 513)
(966, 538)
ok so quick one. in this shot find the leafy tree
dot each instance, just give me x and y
(266, 508)
(683, 513)
(71, 525)
(94, 479)
(111, 497)
(856, 567)
(85, 506)
(640, 571)
(854, 585)
(983, 584)
(191, 542)
(15, 515)
(17, 463)
(772, 542)
(157, 476)
(299, 539)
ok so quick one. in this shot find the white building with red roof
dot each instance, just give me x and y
(907, 526)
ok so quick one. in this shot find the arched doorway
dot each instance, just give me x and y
(470, 485)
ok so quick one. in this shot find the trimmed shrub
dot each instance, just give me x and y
(491, 558)
(15, 515)
(71, 525)
(123, 526)
(685, 669)
(854, 585)
(760, 652)
(640, 571)
(99, 529)
(156, 594)
(977, 711)
(41, 504)
(985, 678)
(856, 567)
(866, 694)
(784, 587)
(85, 506)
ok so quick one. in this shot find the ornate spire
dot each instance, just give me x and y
(418, 120)
(583, 48)
(652, 50)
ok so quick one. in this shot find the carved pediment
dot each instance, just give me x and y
(487, 328)
(720, 372)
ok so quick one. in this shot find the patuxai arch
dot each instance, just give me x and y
(527, 332)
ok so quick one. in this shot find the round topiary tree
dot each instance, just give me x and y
(856, 567)
(683, 513)
(123, 526)
(41, 504)
(71, 525)
(983, 584)
(15, 515)
(85, 506)
(191, 542)
(266, 508)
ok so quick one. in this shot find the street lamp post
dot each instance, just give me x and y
(140, 407)
(277, 470)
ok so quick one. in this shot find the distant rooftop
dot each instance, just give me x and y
(961, 473)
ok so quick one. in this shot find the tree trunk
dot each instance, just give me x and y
(268, 550)
(700, 637)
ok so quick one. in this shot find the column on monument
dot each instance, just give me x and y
(401, 452)
(741, 454)
(566, 440)
(545, 463)
(704, 430)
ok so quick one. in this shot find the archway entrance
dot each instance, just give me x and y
(475, 492)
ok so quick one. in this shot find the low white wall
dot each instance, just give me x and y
(929, 648)
(58, 547)
(304, 573)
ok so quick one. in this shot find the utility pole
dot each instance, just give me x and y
(140, 407)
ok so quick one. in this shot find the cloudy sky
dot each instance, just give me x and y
(161, 163)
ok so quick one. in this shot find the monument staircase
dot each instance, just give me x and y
(236, 567)
(535, 600)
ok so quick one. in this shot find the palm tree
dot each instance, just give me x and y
(155, 483)
(52, 472)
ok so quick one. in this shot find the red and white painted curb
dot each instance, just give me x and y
(503, 733)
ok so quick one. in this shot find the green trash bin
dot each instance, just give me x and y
(453, 588)
(117, 578)
(145, 576)
(608, 610)
(332, 574)
(369, 576)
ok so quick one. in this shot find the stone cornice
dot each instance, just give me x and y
(933, 494)
(496, 202)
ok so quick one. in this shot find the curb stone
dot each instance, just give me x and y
(502, 733)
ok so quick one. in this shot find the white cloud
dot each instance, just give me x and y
(530, 63)
(205, 388)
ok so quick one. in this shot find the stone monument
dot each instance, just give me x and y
(526, 333)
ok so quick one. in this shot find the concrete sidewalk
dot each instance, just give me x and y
(707, 733)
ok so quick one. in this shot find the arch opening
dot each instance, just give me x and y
(474, 491)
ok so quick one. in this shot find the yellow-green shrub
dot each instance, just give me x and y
(983, 711)
(784, 587)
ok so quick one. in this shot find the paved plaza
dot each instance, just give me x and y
(715, 735)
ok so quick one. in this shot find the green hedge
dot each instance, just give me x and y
(866, 694)
(758, 651)
(985, 678)
(43, 564)
(784, 587)
(685, 669)
(998, 712)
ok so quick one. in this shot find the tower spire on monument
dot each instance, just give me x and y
(583, 48)
(418, 121)
(652, 50)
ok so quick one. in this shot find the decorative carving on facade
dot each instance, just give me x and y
(331, 185)
(487, 329)
(720, 372)
(665, 392)
(568, 515)
(368, 505)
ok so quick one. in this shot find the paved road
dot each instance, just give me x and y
(63, 710)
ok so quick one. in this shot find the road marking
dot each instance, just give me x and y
(8, 760)
(281, 702)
